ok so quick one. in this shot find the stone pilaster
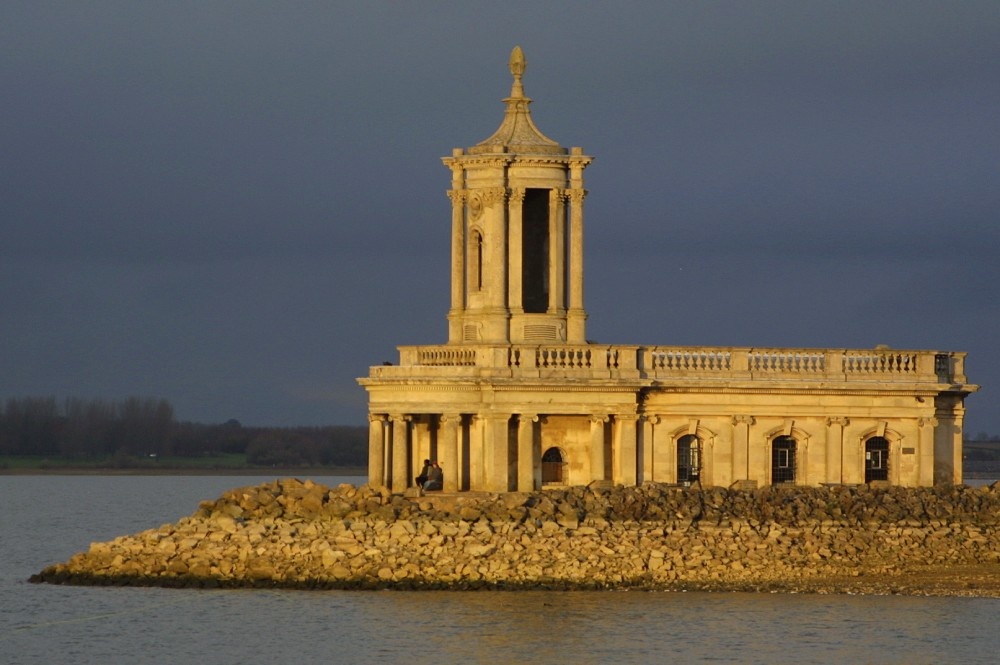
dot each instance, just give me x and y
(647, 469)
(625, 426)
(925, 451)
(835, 449)
(741, 447)
(597, 447)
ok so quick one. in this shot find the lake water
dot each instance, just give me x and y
(46, 519)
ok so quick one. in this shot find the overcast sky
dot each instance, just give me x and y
(240, 206)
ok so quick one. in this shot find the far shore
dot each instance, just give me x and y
(311, 471)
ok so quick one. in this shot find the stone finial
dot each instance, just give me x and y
(517, 64)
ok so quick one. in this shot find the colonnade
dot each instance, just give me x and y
(501, 452)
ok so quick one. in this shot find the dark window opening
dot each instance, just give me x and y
(876, 459)
(783, 460)
(688, 459)
(535, 251)
(552, 467)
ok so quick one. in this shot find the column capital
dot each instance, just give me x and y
(743, 420)
(493, 195)
(838, 420)
(516, 195)
(524, 417)
(575, 195)
(377, 417)
(928, 422)
(652, 419)
(457, 195)
(400, 417)
(450, 418)
(595, 419)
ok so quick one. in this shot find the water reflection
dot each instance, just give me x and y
(640, 627)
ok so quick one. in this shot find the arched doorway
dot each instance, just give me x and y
(552, 467)
(783, 460)
(688, 459)
(876, 459)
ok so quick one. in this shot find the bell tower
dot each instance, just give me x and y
(517, 233)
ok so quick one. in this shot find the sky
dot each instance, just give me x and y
(240, 206)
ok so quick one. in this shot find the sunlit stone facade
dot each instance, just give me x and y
(518, 399)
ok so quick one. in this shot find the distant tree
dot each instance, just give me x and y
(277, 448)
(31, 426)
(142, 427)
(88, 427)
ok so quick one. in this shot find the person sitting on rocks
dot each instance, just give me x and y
(435, 478)
(421, 480)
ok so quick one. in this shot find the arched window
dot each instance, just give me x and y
(477, 240)
(783, 460)
(876, 459)
(688, 459)
(552, 467)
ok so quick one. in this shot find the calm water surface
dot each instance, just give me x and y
(46, 519)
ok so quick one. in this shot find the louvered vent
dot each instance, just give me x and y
(539, 332)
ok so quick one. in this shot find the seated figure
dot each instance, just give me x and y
(435, 478)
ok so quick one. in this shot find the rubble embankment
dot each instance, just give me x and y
(293, 534)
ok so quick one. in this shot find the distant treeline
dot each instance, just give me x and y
(143, 427)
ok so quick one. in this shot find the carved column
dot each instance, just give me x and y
(835, 449)
(496, 324)
(741, 447)
(376, 449)
(400, 465)
(458, 279)
(557, 258)
(515, 251)
(477, 457)
(577, 317)
(597, 447)
(626, 449)
(449, 450)
(496, 442)
(495, 220)
(527, 452)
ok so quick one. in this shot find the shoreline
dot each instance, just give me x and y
(982, 581)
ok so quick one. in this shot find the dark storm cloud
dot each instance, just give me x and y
(241, 207)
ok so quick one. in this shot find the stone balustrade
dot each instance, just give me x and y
(686, 362)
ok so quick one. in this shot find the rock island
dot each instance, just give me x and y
(294, 534)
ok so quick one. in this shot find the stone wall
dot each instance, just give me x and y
(304, 535)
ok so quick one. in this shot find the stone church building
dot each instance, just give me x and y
(518, 399)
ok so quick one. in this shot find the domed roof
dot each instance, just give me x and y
(517, 133)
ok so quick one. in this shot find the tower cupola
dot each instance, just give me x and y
(517, 233)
